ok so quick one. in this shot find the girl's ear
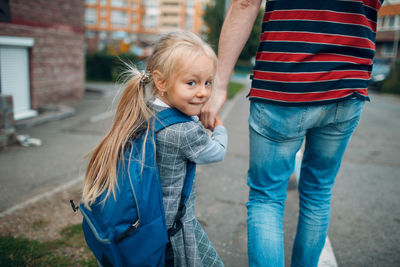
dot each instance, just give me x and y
(159, 81)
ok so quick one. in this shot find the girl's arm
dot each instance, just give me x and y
(215, 149)
(196, 145)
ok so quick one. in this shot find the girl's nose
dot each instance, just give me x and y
(203, 91)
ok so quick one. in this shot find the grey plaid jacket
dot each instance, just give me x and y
(176, 145)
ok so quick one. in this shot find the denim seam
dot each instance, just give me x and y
(260, 114)
(321, 115)
(301, 123)
(338, 108)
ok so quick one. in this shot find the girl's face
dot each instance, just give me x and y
(192, 86)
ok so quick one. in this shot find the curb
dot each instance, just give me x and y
(41, 196)
(56, 112)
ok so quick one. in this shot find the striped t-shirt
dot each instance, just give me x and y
(315, 51)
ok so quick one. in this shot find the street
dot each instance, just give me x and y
(365, 218)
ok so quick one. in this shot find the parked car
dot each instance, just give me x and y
(380, 71)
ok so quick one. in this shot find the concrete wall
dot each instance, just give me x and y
(57, 57)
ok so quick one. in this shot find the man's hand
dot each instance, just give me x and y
(210, 110)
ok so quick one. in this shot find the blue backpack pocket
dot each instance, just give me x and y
(150, 240)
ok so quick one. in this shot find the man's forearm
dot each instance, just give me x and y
(235, 32)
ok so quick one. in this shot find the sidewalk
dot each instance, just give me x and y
(26, 172)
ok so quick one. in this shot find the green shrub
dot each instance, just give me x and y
(392, 83)
(233, 89)
(243, 67)
(104, 67)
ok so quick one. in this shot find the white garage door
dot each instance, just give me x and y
(14, 78)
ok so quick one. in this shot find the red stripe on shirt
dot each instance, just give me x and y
(311, 77)
(305, 97)
(307, 57)
(320, 15)
(333, 39)
(370, 3)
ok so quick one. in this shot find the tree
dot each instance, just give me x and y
(214, 17)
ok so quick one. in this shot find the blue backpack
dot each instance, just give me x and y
(130, 230)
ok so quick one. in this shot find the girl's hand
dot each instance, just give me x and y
(217, 121)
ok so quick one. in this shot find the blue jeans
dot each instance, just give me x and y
(276, 134)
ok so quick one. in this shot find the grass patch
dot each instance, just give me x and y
(70, 250)
(234, 88)
(39, 224)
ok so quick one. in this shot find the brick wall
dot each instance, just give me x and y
(57, 57)
(7, 130)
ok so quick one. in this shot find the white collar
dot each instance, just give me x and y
(160, 103)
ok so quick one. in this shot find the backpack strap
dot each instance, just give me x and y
(164, 119)
(168, 117)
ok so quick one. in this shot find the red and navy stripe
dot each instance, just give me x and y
(314, 51)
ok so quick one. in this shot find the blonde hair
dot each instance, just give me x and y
(133, 115)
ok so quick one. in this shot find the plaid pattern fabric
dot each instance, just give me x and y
(175, 145)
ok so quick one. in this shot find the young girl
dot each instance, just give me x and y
(179, 75)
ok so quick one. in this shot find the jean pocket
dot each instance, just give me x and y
(277, 123)
(348, 114)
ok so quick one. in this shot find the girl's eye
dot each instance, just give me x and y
(208, 83)
(191, 83)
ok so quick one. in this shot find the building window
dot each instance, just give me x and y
(119, 18)
(103, 13)
(103, 35)
(103, 23)
(189, 22)
(91, 2)
(119, 3)
(90, 16)
(103, 2)
(380, 23)
(388, 49)
(170, 25)
(189, 3)
(5, 14)
(172, 4)
(150, 22)
(151, 3)
(90, 34)
(390, 22)
(169, 14)
(134, 26)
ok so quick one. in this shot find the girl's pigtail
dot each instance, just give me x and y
(132, 115)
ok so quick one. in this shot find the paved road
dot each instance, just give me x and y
(365, 210)
(365, 219)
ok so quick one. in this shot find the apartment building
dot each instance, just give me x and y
(388, 30)
(132, 21)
